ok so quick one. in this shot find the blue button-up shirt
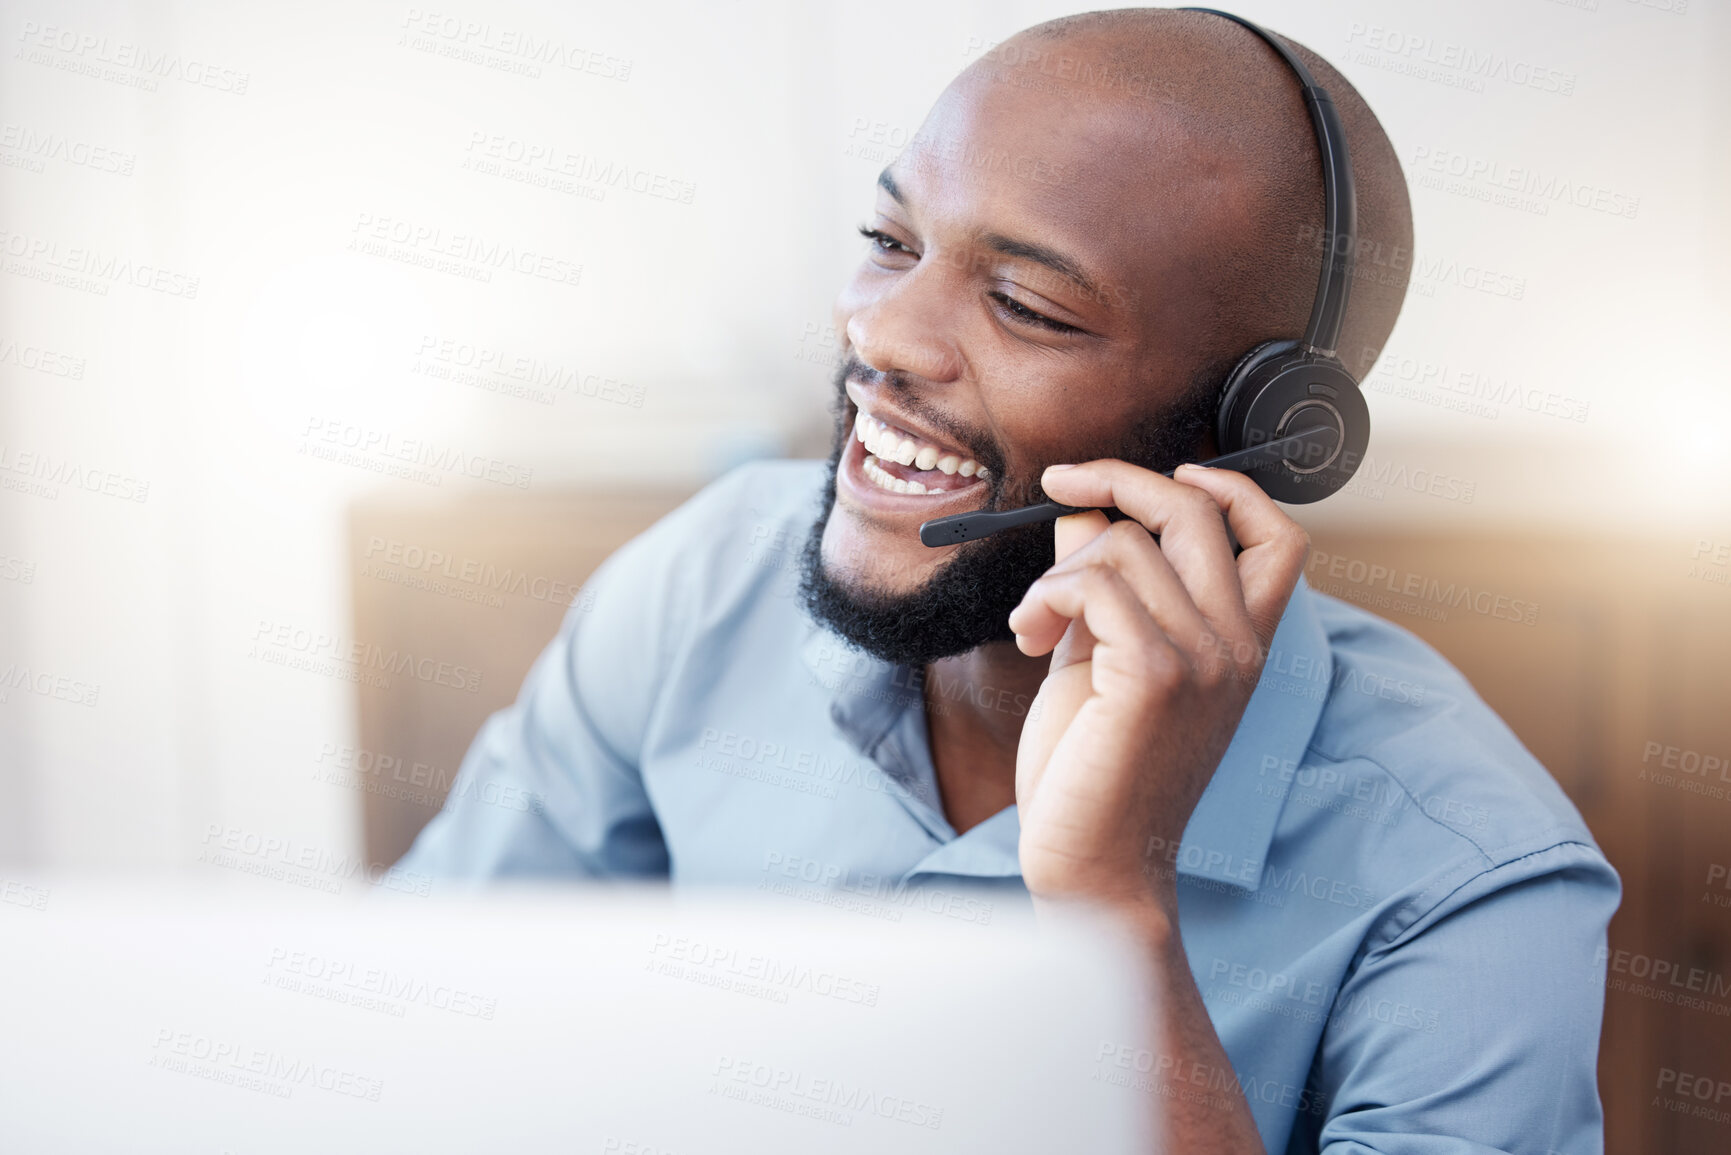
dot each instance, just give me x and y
(1395, 917)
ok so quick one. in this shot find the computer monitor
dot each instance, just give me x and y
(268, 1018)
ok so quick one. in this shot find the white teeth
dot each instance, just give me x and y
(884, 442)
(874, 439)
(884, 480)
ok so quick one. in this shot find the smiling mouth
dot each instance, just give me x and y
(901, 462)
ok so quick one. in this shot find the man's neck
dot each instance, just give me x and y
(975, 706)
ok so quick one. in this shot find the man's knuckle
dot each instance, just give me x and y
(1126, 535)
(1199, 500)
(1264, 623)
(1166, 670)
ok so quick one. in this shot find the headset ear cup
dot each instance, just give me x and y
(1293, 396)
(1278, 388)
(1229, 432)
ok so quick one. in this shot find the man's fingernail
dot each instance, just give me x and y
(1049, 468)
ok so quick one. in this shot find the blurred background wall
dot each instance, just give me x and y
(323, 326)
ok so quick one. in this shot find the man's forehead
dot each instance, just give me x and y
(1108, 179)
(1073, 122)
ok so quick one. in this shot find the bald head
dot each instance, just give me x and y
(1230, 145)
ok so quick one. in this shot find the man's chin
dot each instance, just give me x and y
(900, 629)
(918, 613)
(873, 560)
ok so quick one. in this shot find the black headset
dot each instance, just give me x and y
(1283, 387)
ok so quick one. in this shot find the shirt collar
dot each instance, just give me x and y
(870, 706)
(1232, 826)
(1229, 833)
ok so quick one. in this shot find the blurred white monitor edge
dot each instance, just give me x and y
(191, 1015)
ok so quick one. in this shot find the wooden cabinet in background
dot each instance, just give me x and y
(479, 584)
(1622, 688)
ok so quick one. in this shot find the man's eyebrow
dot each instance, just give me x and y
(888, 184)
(1040, 254)
(1010, 247)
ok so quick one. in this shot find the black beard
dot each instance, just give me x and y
(966, 603)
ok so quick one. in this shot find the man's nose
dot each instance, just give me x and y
(910, 328)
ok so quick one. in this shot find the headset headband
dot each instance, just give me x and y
(1339, 205)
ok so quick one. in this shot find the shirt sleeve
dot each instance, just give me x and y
(1475, 1029)
(551, 785)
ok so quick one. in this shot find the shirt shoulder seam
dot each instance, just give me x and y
(1405, 925)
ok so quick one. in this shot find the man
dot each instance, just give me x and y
(1372, 918)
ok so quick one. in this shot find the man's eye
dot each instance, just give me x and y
(882, 241)
(1027, 316)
